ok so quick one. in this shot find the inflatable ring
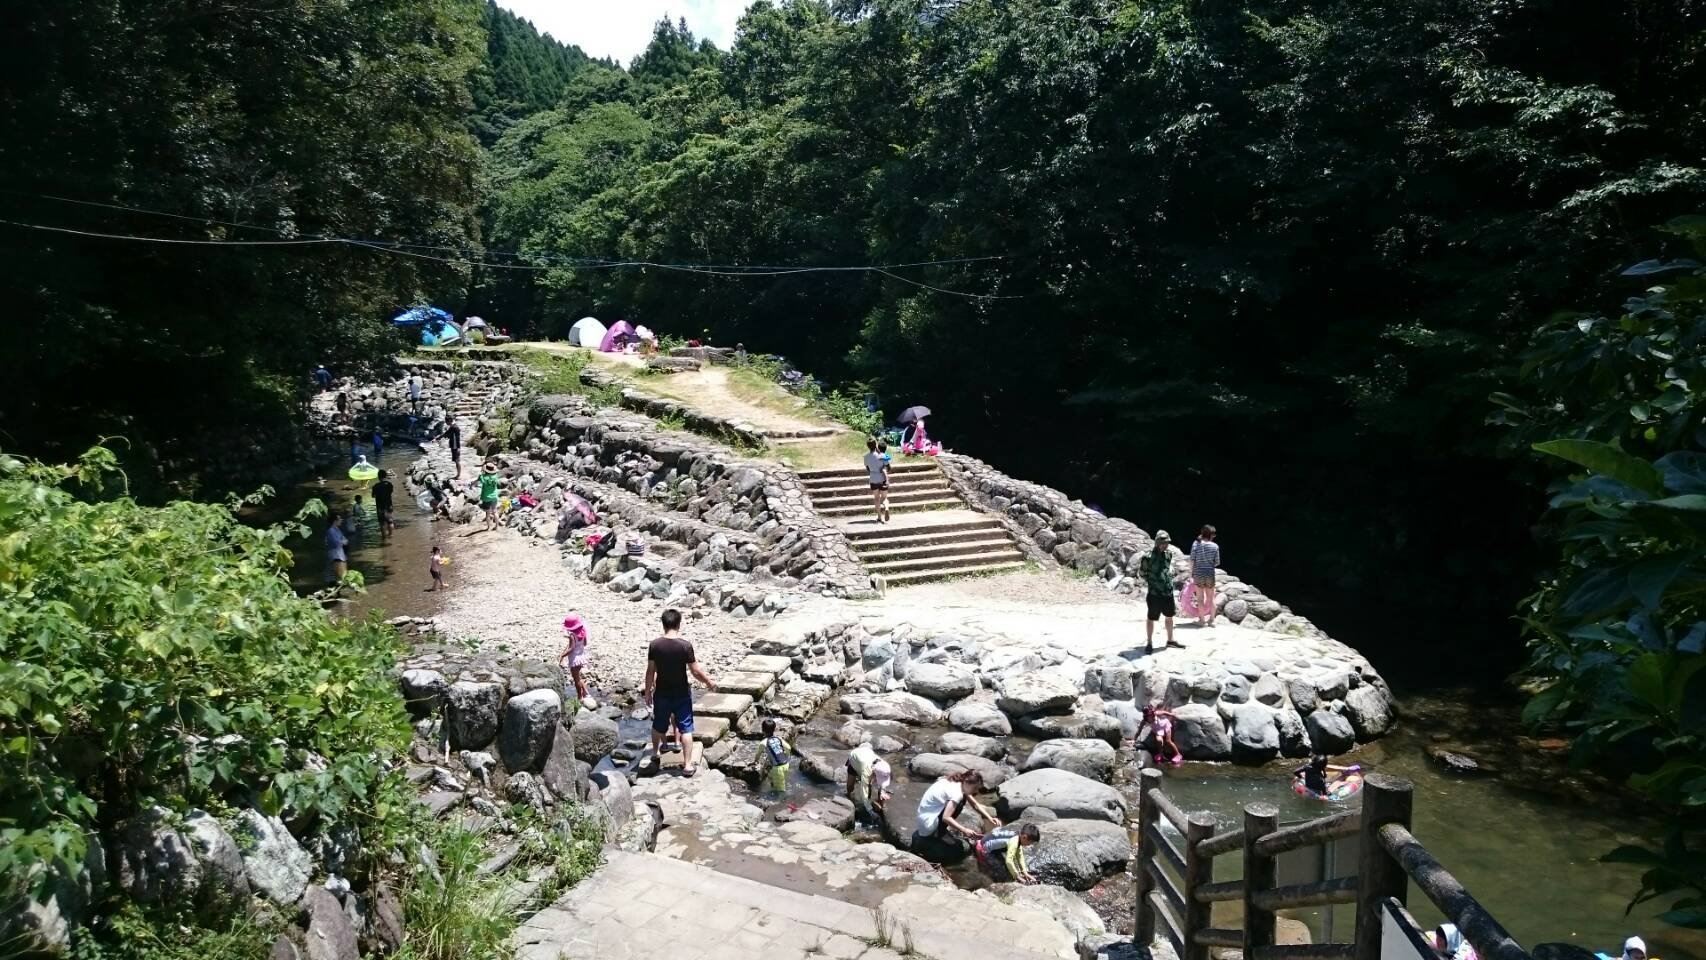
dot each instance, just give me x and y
(364, 474)
(1342, 789)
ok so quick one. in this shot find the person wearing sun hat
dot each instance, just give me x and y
(574, 657)
(1156, 567)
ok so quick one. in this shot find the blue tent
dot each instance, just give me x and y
(437, 326)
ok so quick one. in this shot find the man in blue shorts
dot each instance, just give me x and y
(669, 659)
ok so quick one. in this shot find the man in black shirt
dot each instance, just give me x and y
(453, 439)
(669, 660)
(382, 502)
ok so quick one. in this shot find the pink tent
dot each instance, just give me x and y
(619, 333)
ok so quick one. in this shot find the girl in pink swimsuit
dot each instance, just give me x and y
(1161, 724)
(574, 657)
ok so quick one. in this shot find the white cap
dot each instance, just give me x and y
(1634, 943)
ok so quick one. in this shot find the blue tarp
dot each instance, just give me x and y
(417, 315)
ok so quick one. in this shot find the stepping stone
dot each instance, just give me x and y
(725, 705)
(758, 663)
(751, 684)
(708, 730)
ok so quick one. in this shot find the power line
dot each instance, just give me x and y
(397, 249)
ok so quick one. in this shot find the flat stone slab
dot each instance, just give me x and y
(709, 730)
(753, 684)
(725, 705)
(759, 663)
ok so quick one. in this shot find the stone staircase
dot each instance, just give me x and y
(934, 533)
(472, 401)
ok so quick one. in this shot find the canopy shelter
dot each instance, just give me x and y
(587, 332)
(437, 326)
(620, 334)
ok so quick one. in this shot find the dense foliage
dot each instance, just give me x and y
(157, 655)
(294, 118)
(523, 72)
(1619, 633)
(1300, 237)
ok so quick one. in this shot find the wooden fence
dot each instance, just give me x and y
(1176, 889)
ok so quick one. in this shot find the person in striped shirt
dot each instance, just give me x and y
(1205, 557)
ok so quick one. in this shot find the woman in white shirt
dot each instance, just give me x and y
(941, 805)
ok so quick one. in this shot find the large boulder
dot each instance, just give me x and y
(1369, 709)
(980, 717)
(1127, 714)
(1067, 794)
(472, 711)
(826, 766)
(1112, 678)
(885, 736)
(900, 825)
(904, 707)
(1035, 692)
(1329, 732)
(1268, 689)
(942, 764)
(941, 681)
(1200, 733)
(1087, 758)
(595, 736)
(746, 760)
(531, 723)
(1078, 854)
(616, 794)
(330, 936)
(155, 862)
(1294, 737)
(988, 748)
(1255, 735)
(1078, 725)
(423, 691)
(276, 865)
(563, 772)
(223, 878)
(1304, 697)
(834, 812)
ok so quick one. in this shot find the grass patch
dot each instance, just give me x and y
(753, 386)
(841, 450)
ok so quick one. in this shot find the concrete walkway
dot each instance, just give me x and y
(641, 906)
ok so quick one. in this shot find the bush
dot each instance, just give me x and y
(158, 655)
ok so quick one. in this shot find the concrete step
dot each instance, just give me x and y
(752, 683)
(862, 485)
(987, 544)
(895, 497)
(729, 706)
(1002, 554)
(895, 469)
(865, 509)
(954, 528)
(758, 663)
(924, 576)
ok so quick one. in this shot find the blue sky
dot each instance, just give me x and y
(621, 28)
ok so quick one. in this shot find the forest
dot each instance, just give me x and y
(1319, 272)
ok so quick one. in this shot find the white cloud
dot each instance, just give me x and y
(622, 28)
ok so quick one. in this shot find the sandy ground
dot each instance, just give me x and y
(512, 592)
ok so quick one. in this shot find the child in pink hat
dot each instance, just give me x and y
(574, 657)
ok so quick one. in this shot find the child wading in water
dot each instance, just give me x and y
(1009, 844)
(575, 656)
(776, 749)
(435, 566)
(1161, 734)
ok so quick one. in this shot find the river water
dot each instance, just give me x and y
(1525, 839)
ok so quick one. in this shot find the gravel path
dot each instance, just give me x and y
(510, 592)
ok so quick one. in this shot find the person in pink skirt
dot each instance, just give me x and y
(574, 657)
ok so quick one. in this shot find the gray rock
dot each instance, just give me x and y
(1236, 610)
(1304, 698)
(155, 862)
(276, 865)
(330, 936)
(1035, 692)
(942, 764)
(834, 812)
(616, 794)
(1079, 725)
(223, 878)
(285, 948)
(385, 928)
(1294, 736)
(1329, 732)
(530, 726)
(1369, 709)
(1087, 758)
(1235, 689)
(744, 759)
(42, 921)
(904, 707)
(878, 652)
(1078, 854)
(473, 708)
(526, 789)
(900, 823)
(1069, 795)
(1112, 678)
(981, 717)
(1128, 715)
(1333, 684)
(1255, 736)
(1041, 815)
(857, 731)
(1200, 733)
(423, 691)
(941, 681)
(827, 766)
(1244, 668)
(1204, 688)
(564, 773)
(987, 747)
(595, 736)
(1267, 689)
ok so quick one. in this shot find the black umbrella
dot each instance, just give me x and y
(914, 413)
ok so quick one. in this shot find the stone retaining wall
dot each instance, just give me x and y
(1051, 525)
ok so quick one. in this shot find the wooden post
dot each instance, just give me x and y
(1260, 819)
(1199, 869)
(1143, 932)
(1385, 799)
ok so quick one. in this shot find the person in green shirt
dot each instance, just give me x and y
(488, 481)
(1156, 567)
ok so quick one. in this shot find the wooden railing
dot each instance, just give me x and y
(1176, 889)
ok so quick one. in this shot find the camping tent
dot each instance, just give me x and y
(437, 332)
(436, 326)
(587, 332)
(619, 334)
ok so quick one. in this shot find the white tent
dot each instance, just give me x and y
(587, 332)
